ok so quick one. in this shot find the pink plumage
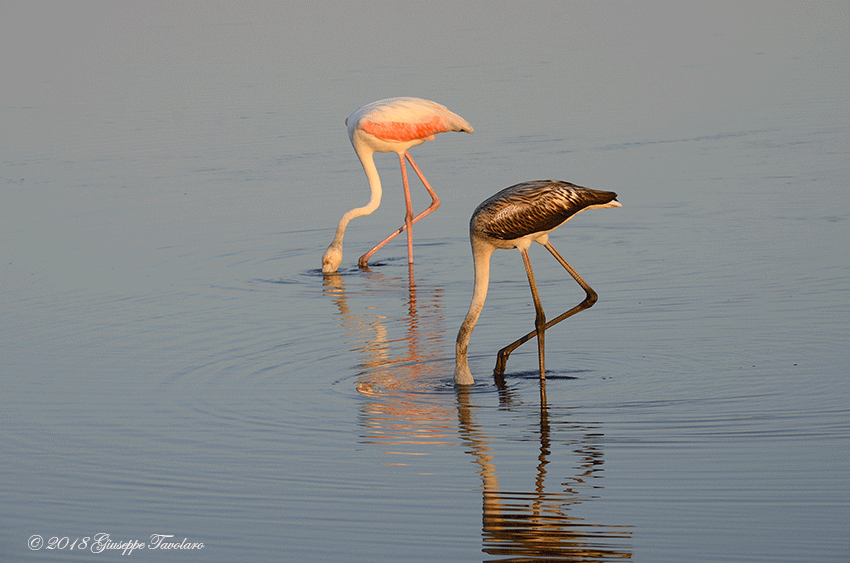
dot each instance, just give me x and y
(399, 131)
(405, 120)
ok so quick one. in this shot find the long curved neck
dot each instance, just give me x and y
(481, 253)
(367, 159)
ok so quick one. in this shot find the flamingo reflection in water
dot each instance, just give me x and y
(396, 344)
(408, 417)
(539, 524)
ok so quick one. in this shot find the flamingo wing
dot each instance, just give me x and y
(407, 119)
(534, 207)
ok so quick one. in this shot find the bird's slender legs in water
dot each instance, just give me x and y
(540, 317)
(589, 300)
(408, 214)
(408, 219)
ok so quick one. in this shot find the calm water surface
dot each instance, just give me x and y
(173, 362)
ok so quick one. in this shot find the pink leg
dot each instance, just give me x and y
(435, 203)
(408, 215)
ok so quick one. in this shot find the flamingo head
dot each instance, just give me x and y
(332, 258)
(462, 374)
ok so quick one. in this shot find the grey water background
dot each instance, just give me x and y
(173, 361)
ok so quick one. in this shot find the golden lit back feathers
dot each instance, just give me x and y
(534, 207)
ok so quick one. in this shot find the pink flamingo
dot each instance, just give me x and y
(514, 218)
(391, 125)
